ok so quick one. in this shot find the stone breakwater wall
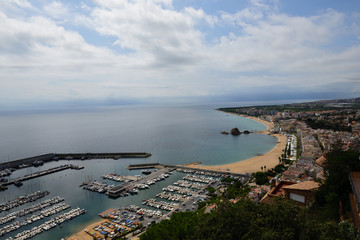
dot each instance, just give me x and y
(70, 156)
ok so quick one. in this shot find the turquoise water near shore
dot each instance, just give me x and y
(174, 135)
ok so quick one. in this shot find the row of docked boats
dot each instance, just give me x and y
(6, 172)
(36, 217)
(36, 207)
(187, 184)
(202, 179)
(96, 186)
(48, 224)
(180, 190)
(144, 211)
(172, 197)
(168, 206)
(22, 200)
(161, 177)
(121, 178)
(142, 186)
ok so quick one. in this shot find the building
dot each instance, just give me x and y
(302, 193)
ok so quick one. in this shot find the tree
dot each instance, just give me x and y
(337, 185)
(279, 168)
(261, 178)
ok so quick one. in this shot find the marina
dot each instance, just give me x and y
(178, 189)
(48, 224)
(122, 178)
(96, 186)
(29, 220)
(174, 195)
(22, 200)
(90, 132)
(168, 206)
(33, 208)
(141, 183)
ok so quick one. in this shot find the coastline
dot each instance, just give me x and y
(254, 164)
(82, 235)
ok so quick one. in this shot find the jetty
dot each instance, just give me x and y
(41, 159)
(185, 169)
(143, 166)
(40, 173)
(117, 191)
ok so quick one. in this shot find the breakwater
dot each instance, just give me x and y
(185, 169)
(40, 159)
(143, 166)
(40, 173)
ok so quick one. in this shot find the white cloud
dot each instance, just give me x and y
(56, 10)
(201, 15)
(169, 54)
(165, 36)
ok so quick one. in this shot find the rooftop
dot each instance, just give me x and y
(307, 185)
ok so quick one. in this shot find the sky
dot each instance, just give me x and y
(115, 52)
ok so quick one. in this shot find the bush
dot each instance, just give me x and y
(261, 178)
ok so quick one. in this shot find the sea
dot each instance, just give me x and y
(175, 134)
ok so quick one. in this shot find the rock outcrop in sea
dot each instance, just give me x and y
(235, 132)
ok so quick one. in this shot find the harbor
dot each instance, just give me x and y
(18, 181)
(22, 200)
(49, 224)
(179, 189)
(34, 213)
(36, 207)
(110, 131)
(41, 159)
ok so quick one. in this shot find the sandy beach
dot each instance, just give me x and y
(82, 235)
(254, 164)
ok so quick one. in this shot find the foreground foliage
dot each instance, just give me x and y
(247, 220)
(336, 187)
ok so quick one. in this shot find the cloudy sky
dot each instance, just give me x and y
(124, 51)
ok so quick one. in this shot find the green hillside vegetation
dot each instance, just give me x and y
(248, 220)
(337, 186)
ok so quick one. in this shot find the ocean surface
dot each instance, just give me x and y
(173, 135)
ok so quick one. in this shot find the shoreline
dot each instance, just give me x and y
(254, 164)
(82, 235)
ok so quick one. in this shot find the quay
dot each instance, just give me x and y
(143, 166)
(189, 169)
(118, 190)
(40, 173)
(40, 159)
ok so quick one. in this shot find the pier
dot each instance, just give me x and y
(41, 173)
(40, 159)
(118, 190)
(143, 166)
(159, 165)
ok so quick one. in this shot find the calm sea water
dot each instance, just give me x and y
(174, 135)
